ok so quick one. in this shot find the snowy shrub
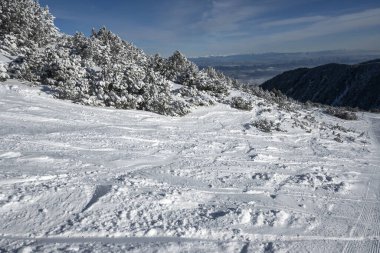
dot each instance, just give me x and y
(264, 110)
(338, 139)
(257, 91)
(3, 72)
(266, 126)
(179, 108)
(275, 97)
(179, 69)
(25, 26)
(341, 113)
(210, 80)
(241, 104)
(103, 69)
(195, 97)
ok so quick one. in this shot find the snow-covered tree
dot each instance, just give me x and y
(179, 69)
(210, 80)
(3, 72)
(25, 26)
(103, 69)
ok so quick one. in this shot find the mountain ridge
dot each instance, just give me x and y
(332, 84)
(255, 69)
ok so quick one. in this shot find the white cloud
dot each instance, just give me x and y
(293, 21)
(225, 15)
(291, 38)
(330, 25)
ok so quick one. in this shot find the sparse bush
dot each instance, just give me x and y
(340, 128)
(241, 104)
(193, 96)
(266, 126)
(264, 110)
(341, 113)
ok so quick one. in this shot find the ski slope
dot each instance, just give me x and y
(76, 178)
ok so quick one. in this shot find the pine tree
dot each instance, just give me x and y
(3, 72)
(103, 69)
(25, 26)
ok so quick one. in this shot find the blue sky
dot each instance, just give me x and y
(224, 27)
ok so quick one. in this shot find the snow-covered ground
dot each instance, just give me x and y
(76, 178)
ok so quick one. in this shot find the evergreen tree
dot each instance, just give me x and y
(102, 69)
(25, 26)
(3, 72)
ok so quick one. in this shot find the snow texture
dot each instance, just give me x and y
(78, 179)
(251, 172)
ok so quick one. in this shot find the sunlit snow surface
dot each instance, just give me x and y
(76, 178)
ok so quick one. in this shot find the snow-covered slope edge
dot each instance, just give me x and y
(79, 178)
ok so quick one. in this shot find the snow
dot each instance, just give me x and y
(78, 178)
(376, 127)
(4, 58)
(175, 86)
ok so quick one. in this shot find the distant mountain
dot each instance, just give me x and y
(258, 68)
(297, 58)
(332, 84)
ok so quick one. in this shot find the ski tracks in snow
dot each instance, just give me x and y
(92, 177)
(367, 223)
